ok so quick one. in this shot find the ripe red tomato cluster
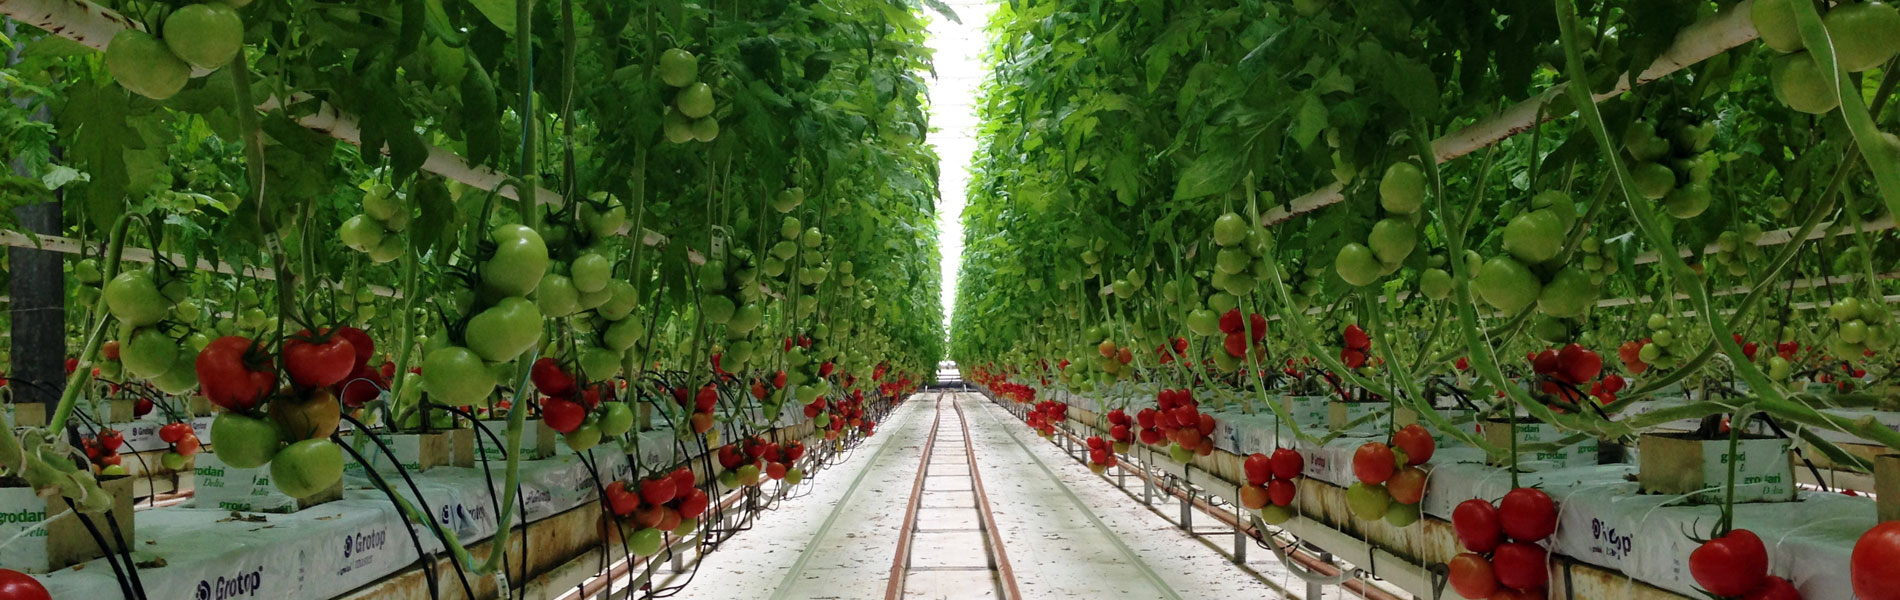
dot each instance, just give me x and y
(660, 501)
(1501, 541)
(1237, 327)
(1175, 347)
(1121, 429)
(1358, 344)
(103, 449)
(1736, 564)
(700, 404)
(1100, 455)
(1270, 479)
(1177, 418)
(847, 412)
(1562, 370)
(1046, 416)
(183, 440)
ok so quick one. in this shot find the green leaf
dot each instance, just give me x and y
(499, 12)
(1214, 172)
(60, 175)
(1311, 120)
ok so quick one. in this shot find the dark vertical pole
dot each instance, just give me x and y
(38, 290)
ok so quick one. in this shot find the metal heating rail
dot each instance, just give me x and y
(948, 515)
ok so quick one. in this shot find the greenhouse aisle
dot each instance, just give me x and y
(1066, 532)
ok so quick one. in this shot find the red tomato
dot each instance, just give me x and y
(1374, 463)
(693, 503)
(1775, 588)
(683, 479)
(1281, 491)
(621, 501)
(318, 360)
(359, 341)
(562, 415)
(15, 585)
(1472, 576)
(659, 490)
(1259, 469)
(1730, 565)
(231, 376)
(1287, 463)
(1871, 568)
(1520, 565)
(551, 380)
(1417, 444)
(1528, 514)
(1477, 524)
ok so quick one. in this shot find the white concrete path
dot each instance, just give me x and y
(1067, 532)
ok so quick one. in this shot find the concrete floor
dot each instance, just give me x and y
(1067, 532)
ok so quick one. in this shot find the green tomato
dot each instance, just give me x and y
(677, 127)
(1357, 264)
(361, 233)
(616, 418)
(1535, 236)
(1392, 240)
(1774, 21)
(1569, 293)
(1402, 189)
(645, 542)
(749, 317)
(678, 68)
(705, 129)
(599, 364)
(87, 271)
(620, 302)
(390, 249)
(505, 331)
(1799, 83)
(1688, 201)
(1368, 501)
(1865, 34)
(591, 272)
(1401, 515)
(244, 442)
(1203, 322)
(788, 199)
(173, 461)
(1507, 284)
(306, 468)
(1653, 180)
(147, 352)
(718, 309)
(1435, 284)
(456, 376)
(183, 374)
(623, 334)
(144, 65)
(519, 261)
(1275, 514)
(133, 297)
(1229, 229)
(556, 296)
(206, 36)
(583, 438)
(604, 223)
(695, 100)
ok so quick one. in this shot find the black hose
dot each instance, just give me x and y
(428, 562)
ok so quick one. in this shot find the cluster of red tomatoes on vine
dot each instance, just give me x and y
(1502, 557)
(1177, 418)
(1272, 482)
(1046, 416)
